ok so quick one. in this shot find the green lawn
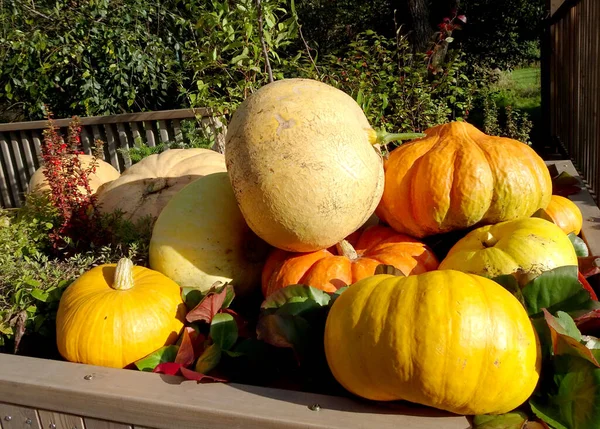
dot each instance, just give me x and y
(521, 89)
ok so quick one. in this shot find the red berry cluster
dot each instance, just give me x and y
(70, 191)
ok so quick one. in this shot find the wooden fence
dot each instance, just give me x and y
(572, 88)
(20, 142)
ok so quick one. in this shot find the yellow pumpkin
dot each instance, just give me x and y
(145, 188)
(115, 314)
(446, 339)
(201, 237)
(300, 158)
(104, 173)
(529, 246)
(458, 177)
(564, 213)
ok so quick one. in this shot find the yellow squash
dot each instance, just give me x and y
(201, 237)
(529, 246)
(446, 339)
(115, 314)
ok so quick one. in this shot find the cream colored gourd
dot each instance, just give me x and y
(145, 188)
(201, 237)
(300, 158)
(104, 173)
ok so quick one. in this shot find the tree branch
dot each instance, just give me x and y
(262, 41)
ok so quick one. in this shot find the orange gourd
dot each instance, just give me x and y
(458, 177)
(353, 259)
(564, 213)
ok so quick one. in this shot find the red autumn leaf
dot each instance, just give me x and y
(462, 18)
(193, 375)
(185, 354)
(169, 368)
(172, 368)
(563, 343)
(208, 307)
(242, 325)
(586, 286)
(589, 265)
(589, 323)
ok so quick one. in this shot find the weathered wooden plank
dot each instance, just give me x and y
(103, 424)
(177, 135)
(9, 172)
(111, 145)
(4, 188)
(110, 119)
(124, 143)
(56, 420)
(167, 402)
(150, 134)
(164, 131)
(17, 417)
(27, 152)
(87, 141)
(16, 152)
(135, 133)
(37, 145)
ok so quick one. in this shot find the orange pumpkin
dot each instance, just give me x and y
(564, 213)
(353, 259)
(458, 177)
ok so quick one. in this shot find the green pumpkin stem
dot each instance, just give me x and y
(123, 275)
(345, 249)
(383, 137)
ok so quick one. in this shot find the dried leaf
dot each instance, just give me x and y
(19, 328)
(209, 306)
(185, 354)
(566, 338)
(388, 269)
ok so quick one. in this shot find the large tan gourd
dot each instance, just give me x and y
(300, 158)
(145, 188)
(104, 173)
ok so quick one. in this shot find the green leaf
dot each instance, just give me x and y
(295, 293)
(284, 331)
(566, 338)
(579, 245)
(388, 269)
(39, 294)
(511, 284)
(547, 413)
(164, 354)
(557, 289)
(223, 330)
(514, 420)
(209, 359)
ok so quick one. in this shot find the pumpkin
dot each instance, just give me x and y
(445, 339)
(104, 173)
(115, 314)
(564, 213)
(145, 188)
(528, 246)
(201, 237)
(353, 259)
(458, 177)
(300, 158)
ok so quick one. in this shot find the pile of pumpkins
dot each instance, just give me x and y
(303, 195)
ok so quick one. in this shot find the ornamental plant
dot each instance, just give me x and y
(70, 191)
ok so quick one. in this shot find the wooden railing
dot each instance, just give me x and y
(20, 142)
(572, 97)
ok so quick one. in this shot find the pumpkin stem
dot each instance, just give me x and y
(345, 249)
(383, 137)
(123, 275)
(489, 240)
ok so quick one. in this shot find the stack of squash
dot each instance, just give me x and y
(307, 198)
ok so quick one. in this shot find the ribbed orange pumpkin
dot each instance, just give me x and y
(457, 177)
(357, 257)
(564, 213)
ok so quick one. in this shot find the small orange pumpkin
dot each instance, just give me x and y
(352, 259)
(564, 213)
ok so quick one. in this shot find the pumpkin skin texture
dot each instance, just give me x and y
(564, 213)
(300, 158)
(201, 237)
(104, 173)
(446, 339)
(458, 177)
(529, 246)
(145, 188)
(330, 270)
(97, 324)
